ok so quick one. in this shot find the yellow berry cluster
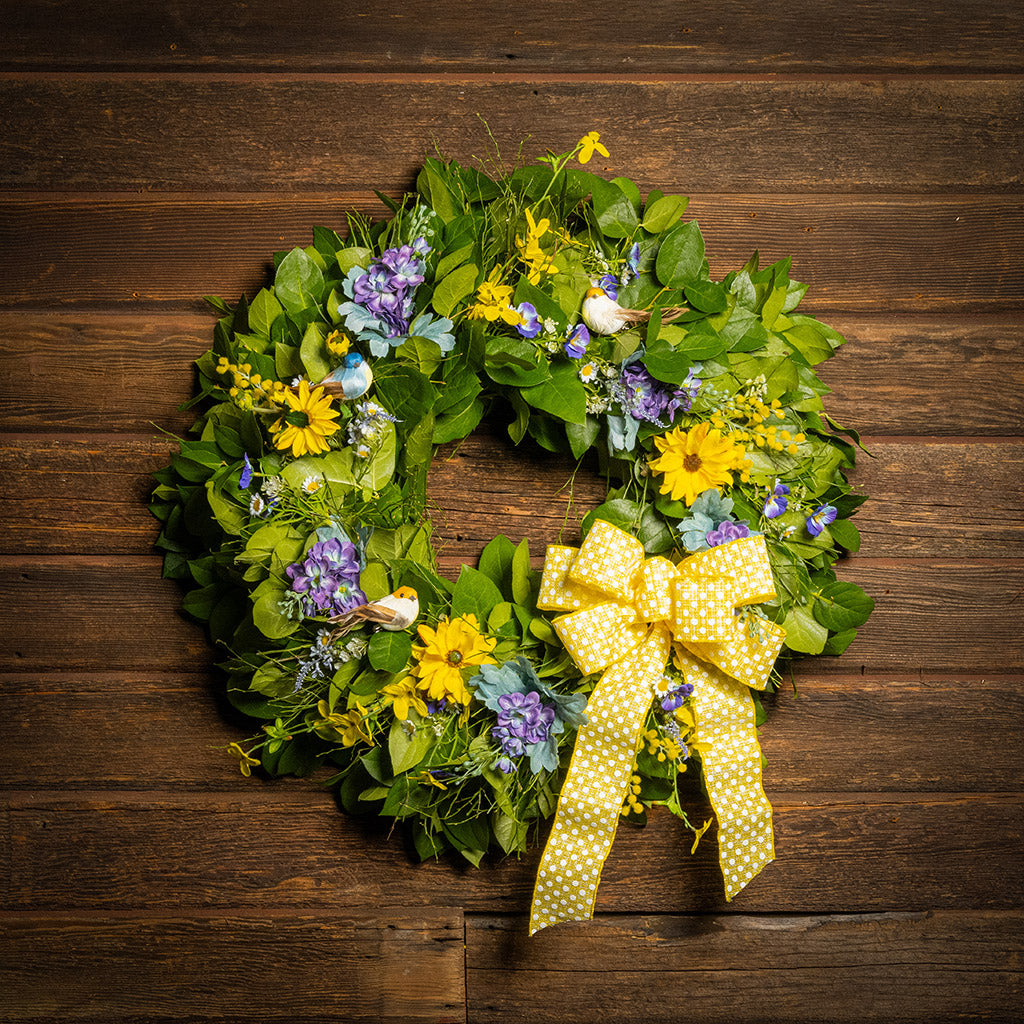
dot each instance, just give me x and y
(252, 385)
(337, 343)
(632, 803)
(747, 417)
(664, 748)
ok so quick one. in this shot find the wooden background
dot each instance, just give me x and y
(155, 152)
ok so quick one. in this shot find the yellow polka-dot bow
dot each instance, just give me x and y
(625, 611)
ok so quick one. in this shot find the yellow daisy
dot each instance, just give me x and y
(309, 423)
(403, 697)
(446, 651)
(694, 461)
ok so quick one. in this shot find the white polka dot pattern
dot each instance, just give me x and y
(732, 771)
(631, 635)
(595, 787)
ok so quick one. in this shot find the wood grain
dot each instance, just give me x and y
(928, 499)
(335, 965)
(282, 844)
(126, 372)
(155, 731)
(957, 617)
(861, 254)
(749, 969)
(251, 134)
(421, 37)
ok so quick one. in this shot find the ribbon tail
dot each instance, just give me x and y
(590, 804)
(731, 755)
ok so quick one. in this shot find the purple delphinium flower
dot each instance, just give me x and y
(328, 580)
(522, 720)
(675, 697)
(503, 764)
(610, 286)
(435, 707)
(820, 518)
(727, 531)
(246, 478)
(777, 501)
(405, 266)
(530, 327)
(576, 342)
(645, 398)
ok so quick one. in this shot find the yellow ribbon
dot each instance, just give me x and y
(625, 612)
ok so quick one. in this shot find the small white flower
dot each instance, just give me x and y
(588, 371)
(257, 506)
(296, 381)
(363, 451)
(312, 484)
(549, 325)
(371, 410)
(273, 486)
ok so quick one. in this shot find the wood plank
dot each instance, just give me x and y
(251, 134)
(933, 499)
(914, 254)
(289, 846)
(337, 965)
(125, 372)
(852, 734)
(956, 617)
(888, 968)
(422, 37)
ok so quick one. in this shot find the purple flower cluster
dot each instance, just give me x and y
(523, 720)
(386, 289)
(645, 398)
(727, 531)
(328, 580)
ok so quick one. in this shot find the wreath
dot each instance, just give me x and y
(473, 709)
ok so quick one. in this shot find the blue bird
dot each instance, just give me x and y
(350, 380)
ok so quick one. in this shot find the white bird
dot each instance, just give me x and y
(603, 315)
(395, 612)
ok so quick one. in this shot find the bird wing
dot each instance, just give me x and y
(640, 316)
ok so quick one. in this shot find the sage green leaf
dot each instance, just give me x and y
(389, 651)
(681, 256)
(663, 213)
(299, 282)
(453, 288)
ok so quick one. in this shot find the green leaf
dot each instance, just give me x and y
(263, 311)
(582, 435)
(803, 632)
(496, 563)
(515, 362)
(354, 256)
(845, 534)
(841, 606)
(475, 593)
(616, 215)
(407, 750)
(809, 342)
(563, 395)
(511, 834)
(267, 616)
(453, 288)
(229, 514)
(773, 307)
(299, 282)
(451, 260)
(663, 213)
(707, 296)
(681, 256)
(311, 352)
(522, 586)
(389, 651)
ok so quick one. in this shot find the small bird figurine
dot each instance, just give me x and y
(350, 380)
(603, 315)
(395, 612)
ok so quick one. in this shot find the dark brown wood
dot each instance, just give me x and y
(126, 372)
(283, 844)
(848, 734)
(748, 969)
(914, 254)
(343, 964)
(693, 136)
(421, 37)
(958, 617)
(926, 499)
